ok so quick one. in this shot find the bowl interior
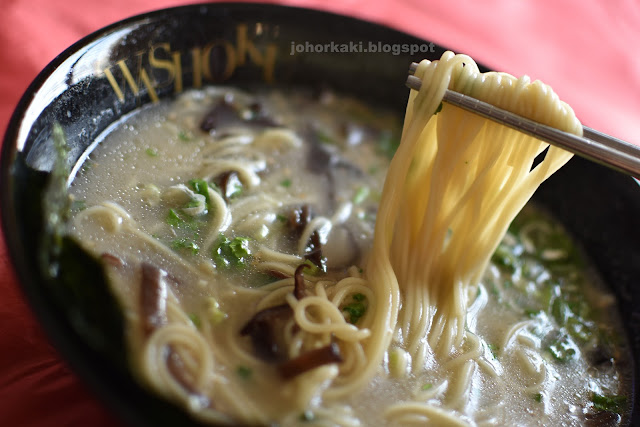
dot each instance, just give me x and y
(155, 56)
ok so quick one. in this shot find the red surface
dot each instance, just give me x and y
(585, 50)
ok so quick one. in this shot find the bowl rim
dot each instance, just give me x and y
(25, 277)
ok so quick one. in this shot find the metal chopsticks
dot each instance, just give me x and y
(593, 145)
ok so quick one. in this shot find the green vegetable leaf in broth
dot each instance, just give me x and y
(231, 252)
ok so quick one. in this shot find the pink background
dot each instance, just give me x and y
(586, 50)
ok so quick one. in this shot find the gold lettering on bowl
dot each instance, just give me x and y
(160, 66)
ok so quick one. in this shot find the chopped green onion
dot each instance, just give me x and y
(176, 221)
(237, 190)
(494, 350)
(244, 372)
(152, 152)
(427, 386)
(311, 267)
(563, 349)
(356, 309)
(173, 219)
(560, 311)
(184, 136)
(195, 319)
(231, 253)
(193, 203)
(214, 312)
(537, 397)
(361, 194)
(324, 137)
(504, 257)
(286, 183)
(580, 329)
(185, 244)
(200, 186)
(532, 312)
(611, 403)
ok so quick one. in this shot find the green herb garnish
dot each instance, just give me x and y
(244, 372)
(504, 257)
(359, 297)
(174, 220)
(361, 194)
(185, 244)
(286, 183)
(427, 386)
(324, 137)
(151, 152)
(231, 253)
(611, 402)
(193, 203)
(494, 350)
(201, 187)
(356, 309)
(312, 269)
(560, 311)
(537, 397)
(195, 319)
(214, 312)
(563, 349)
(184, 136)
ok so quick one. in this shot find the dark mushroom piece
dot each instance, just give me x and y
(313, 252)
(179, 372)
(265, 330)
(299, 218)
(225, 114)
(221, 114)
(153, 301)
(298, 280)
(228, 183)
(310, 360)
(153, 298)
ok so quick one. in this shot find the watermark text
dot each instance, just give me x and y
(362, 47)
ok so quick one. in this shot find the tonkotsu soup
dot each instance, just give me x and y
(235, 229)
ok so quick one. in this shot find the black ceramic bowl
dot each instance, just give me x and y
(146, 58)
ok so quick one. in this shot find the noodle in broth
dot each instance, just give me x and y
(269, 272)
